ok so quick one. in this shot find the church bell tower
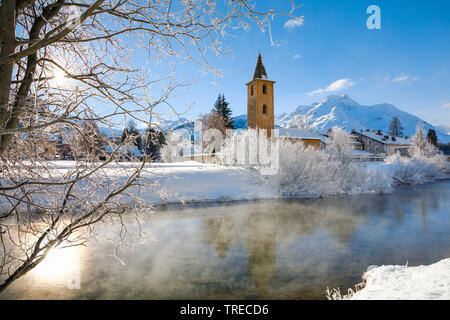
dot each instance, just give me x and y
(260, 108)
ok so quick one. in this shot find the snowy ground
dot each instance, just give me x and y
(188, 181)
(193, 181)
(407, 283)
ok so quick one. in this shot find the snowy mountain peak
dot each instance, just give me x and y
(342, 99)
(343, 111)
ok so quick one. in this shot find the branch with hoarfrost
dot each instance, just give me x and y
(67, 67)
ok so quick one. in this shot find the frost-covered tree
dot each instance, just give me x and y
(214, 120)
(421, 147)
(59, 61)
(425, 164)
(395, 128)
(340, 145)
(306, 172)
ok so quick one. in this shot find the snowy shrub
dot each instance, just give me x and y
(415, 170)
(333, 170)
(426, 163)
(305, 172)
(421, 148)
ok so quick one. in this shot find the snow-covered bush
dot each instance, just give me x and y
(333, 170)
(414, 170)
(421, 148)
(305, 172)
(426, 163)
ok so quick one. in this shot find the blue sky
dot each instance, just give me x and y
(406, 63)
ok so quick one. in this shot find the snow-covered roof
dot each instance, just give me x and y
(298, 133)
(381, 138)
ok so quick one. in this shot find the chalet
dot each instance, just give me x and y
(381, 144)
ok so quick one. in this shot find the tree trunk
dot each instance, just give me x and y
(7, 47)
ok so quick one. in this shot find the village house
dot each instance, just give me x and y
(382, 144)
(309, 138)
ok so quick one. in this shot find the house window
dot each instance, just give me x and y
(251, 90)
(264, 109)
(376, 149)
(264, 89)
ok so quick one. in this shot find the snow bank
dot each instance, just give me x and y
(188, 181)
(193, 181)
(406, 283)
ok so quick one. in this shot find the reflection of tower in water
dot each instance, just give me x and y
(261, 248)
(219, 233)
(258, 233)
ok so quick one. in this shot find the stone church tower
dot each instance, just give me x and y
(260, 108)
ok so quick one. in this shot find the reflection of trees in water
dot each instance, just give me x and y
(260, 226)
(422, 201)
(263, 223)
(219, 233)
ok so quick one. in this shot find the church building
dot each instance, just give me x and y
(260, 110)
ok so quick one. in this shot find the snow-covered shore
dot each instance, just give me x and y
(192, 181)
(201, 182)
(406, 283)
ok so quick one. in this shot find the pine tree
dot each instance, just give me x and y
(221, 107)
(432, 137)
(395, 128)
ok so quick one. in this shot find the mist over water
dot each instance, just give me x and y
(287, 249)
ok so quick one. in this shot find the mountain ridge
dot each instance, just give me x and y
(342, 111)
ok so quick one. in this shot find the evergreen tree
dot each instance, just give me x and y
(153, 141)
(432, 137)
(221, 107)
(395, 128)
(132, 132)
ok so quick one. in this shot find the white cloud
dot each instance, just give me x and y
(405, 79)
(292, 24)
(446, 105)
(338, 85)
(297, 56)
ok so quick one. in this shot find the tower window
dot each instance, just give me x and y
(251, 90)
(264, 89)
(264, 109)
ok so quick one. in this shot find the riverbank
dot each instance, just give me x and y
(190, 181)
(430, 282)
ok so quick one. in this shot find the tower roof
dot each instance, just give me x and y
(260, 71)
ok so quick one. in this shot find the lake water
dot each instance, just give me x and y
(286, 249)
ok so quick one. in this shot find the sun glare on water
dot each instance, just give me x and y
(58, 265)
